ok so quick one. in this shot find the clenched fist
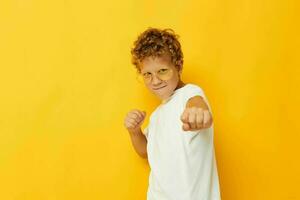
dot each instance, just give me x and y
(195, 118)
(134, 119)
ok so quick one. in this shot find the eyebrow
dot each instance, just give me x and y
(157, 70)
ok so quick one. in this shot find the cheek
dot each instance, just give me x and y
(174, 79)
(148, 85)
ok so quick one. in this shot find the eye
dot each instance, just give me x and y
(163, 71)
(146, 75)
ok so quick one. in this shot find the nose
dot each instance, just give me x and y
(155, 80)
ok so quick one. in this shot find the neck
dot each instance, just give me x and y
(180, 84)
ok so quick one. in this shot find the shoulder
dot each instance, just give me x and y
(192, 90)
(194, 94)
(194, 87)
(154, 113)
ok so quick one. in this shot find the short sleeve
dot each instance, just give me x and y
(192, 91)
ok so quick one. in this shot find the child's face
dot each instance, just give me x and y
(161, 77)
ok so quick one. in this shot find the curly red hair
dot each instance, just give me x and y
(157, 42)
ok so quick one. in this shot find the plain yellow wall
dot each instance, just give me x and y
(66, 84)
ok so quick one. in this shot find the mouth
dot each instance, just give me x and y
(158, 88)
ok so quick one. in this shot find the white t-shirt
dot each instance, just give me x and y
(183, 165)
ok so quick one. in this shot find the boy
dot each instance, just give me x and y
(178, 140)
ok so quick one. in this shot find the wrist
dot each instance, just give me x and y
(134, 132)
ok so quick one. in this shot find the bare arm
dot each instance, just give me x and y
(133, 122)
(197, 101)
(139, 142)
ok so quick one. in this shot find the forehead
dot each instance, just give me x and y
(155, 63)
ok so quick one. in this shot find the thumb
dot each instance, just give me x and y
(186, 126)
(184, 116)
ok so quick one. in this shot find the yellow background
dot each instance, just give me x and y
(66, 84)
